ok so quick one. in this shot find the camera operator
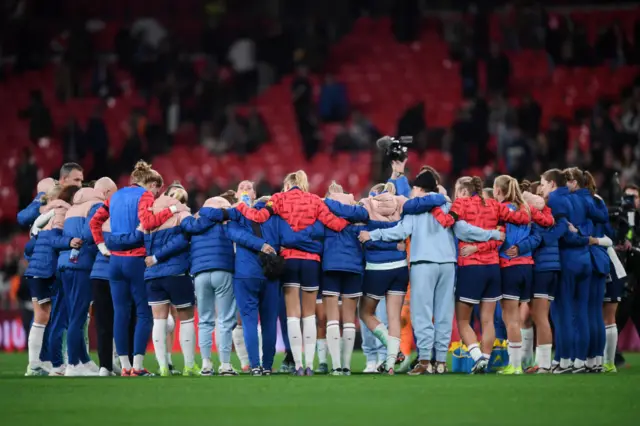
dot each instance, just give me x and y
(628, 249)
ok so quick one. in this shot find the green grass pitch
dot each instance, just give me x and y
(320, 400)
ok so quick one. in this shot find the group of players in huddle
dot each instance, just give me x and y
(137, 253)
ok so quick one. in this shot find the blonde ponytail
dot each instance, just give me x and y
(383, 187)
(335, 188)
(298, 179)
(143, 174)
(511, 190)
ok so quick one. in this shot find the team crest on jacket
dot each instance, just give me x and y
(269, 203)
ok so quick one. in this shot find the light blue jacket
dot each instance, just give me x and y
(430, 242)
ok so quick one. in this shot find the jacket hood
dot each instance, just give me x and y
(342, 198)
(45, 185)
(86, 195)
(384, 207)
(217, 203)
(533, 200)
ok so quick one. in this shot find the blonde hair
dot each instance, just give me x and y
(382, 187)
(177, 191)
(143, 174)
(488, 193)
(511, 190)
(52, 194)
(473, 185)
(230, 196)
(335, 188)
(298, 179)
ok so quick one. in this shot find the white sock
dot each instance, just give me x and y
(188, 342)
(333, 342)
(241, 349)
(543, 354)
(527, 344)
(565, 363)
(348, 340)
(611, 336)
(86, 333)
(591, 362)
(124, 362)
(295, 339)
(578, 363)
(207, 364)
(310, 335)
(321, 348)
(171, 324)
(392, 351)
(515, 354)
(382, 334)
(599, 361)
(36, 335)
(475, 352)
(159, 336)
(138, 362)
(260, 342)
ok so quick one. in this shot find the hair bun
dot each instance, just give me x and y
(142, 166)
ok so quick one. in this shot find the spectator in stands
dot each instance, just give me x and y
(125, 47)
(498, 70)
(276, 49)
(628, 165)
(576, 50)
(149, 31)
(134, 130)
(498, 111)
(363, 131)
(412, 122)
(40, 123)
(66, 83)
(256, 129)
(612, 46)
(344, 141)
(557, 141)
(302, 92)
(73, 141)
(312, 49)
(515, 150)
(242, 56)
(459, 140)
(97, 139)
(602, 135)
(630, 122)
(103, 82)
(234, 134)
(529, 115)
(333, 104)
(469, 73)
(26, 178)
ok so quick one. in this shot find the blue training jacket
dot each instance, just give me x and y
(543, 243)
(211, 249)
(275, 232)
(574, 251)
(514, 235)
(29, 214)
(599, 256)
(43, 260)
(342, 250)
(402, 186)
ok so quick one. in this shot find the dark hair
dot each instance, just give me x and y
(533, 188)
(473, 185)
(555, 175)
(67, 168)
(525, 185)
(230, 196)
(574, 173)
(433, 172)
(590, 183)
(67, 193)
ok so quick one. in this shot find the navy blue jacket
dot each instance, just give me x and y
(342, 250)
(543, 242)
(574, 250)
(29, 214)
(599, 256)
(44, 257)
(210, 248)
(170, 246)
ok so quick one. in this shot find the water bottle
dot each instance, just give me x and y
(73, 257)
(244, 197)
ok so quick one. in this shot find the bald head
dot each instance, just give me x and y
(106, 186)
(45, 185)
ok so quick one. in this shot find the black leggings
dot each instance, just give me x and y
(103, 312)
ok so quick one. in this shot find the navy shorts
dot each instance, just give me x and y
(177, 290)
(476, 283)
(41, 289)
(379, 283)
(347, 284)
(302, 273)
(545, 284)
(614, 289)
(517, 282)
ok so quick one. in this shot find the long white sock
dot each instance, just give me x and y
(591, 362)
(159, 336)
(260, 341)
(188, 342)
(599, 361)
(527, 345)
(565, 363)
(475, 352)
(382, 334)
(295, 340)
(611, 336)
(543, 354)
(348, 340)
(36, 335)
(207, 364)
(321, 348)
(310, 335)
(333, 342)
(393, 347)
(171, 326)
(237, 335)
(124, 362)
(578, 363)
(138, 362)
(515, 354)
(86, 333)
